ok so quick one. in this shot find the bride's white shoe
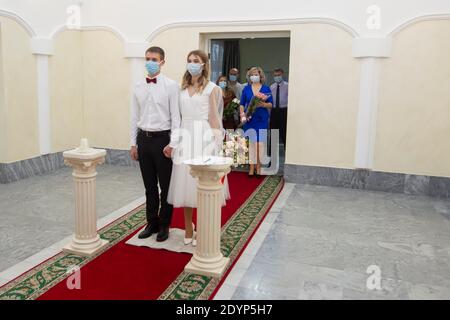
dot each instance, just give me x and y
(192, 240)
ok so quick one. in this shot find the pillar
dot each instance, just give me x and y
(84, 161)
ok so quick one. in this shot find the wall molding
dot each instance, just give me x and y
(250, 23)
(21, 21)
(430, 17)
(331, 21)
(111, 29)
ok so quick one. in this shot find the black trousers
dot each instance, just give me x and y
(278, 120)
(155, 167)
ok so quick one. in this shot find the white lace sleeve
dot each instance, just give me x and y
(215, 115)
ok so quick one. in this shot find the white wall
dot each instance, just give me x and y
(135, 20)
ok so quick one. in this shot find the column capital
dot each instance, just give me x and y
(84, 159)
(209, 175)
(372, 47)
(42, 46)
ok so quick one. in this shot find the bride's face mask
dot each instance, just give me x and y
(194, 66)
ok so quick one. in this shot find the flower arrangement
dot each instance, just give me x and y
(254, 103)
(230, 109)
(235, 146)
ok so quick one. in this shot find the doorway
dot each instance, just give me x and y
(268, 50)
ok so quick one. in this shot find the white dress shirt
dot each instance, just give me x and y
(155, 107)
(284, 93)
(237, 89)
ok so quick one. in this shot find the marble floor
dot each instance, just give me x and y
(315, 243)
(39, 211)
(334, 243)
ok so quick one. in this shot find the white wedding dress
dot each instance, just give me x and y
(201, 136)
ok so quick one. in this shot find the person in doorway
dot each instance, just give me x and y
(278, 114)
(234, 85)
(155, 118)
(228, 96)
(256, 124)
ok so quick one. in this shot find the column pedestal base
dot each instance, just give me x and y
(87, 250)
(215, 270)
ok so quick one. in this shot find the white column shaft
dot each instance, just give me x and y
(209, 222)
(43, 103)
(85, 209)
(367, 113)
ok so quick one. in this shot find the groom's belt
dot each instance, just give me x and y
(151, 134)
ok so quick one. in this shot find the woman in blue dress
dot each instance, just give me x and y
(256, 127)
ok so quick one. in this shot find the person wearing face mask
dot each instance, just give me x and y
(155, 118)
(278, 114)
(201, 106)
(228, 96)
(256, 127)
(234, 84)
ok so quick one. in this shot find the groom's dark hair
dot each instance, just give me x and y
(158, 50)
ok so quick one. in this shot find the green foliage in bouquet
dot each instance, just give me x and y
(230, 109)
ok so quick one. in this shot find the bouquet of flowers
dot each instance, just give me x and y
(235, 146)
(230, 109)
(254, 103)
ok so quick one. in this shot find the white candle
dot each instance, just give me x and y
(84, 144)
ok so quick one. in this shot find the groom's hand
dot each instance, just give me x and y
(134, 153)
(168, 151)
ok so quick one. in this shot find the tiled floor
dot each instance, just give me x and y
(324, 239)
(316, 242)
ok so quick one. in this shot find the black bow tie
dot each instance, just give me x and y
(151, 80)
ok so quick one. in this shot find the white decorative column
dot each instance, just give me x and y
(370, 51)
(42, 49)
(208, 260)
(135, 52)
(84, 161)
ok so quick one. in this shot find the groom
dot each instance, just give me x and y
(155, 116)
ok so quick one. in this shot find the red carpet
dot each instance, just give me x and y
(130, 272)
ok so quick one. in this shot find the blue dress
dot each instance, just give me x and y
(260, 117)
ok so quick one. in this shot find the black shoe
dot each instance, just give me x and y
(148, 231)
(163, 234)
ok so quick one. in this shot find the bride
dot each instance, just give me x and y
(201, 135)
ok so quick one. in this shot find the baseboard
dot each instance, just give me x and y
(15, 171)
(369, 180)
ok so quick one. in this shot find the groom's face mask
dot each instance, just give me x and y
(153, 63)
(152, 67)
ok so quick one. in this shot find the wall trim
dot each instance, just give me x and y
(111, 29)
(44, 164)
(415, 20)
(361, 179)
(248, 23)
(19, 20)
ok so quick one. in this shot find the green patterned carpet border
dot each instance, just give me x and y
(235, 234)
